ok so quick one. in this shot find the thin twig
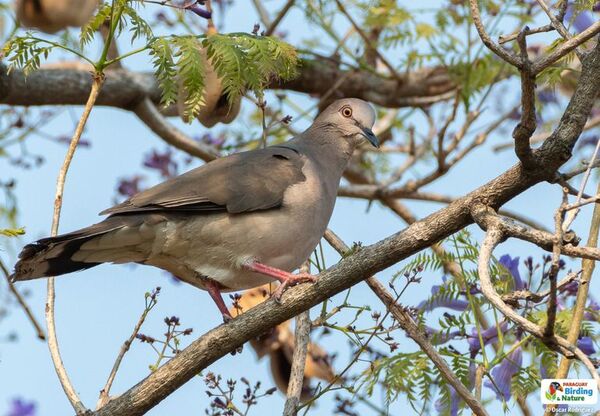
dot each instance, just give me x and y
(543, 239)
(513, 298)
(540, 137)
(38, 328)
(479, 372)
(302, 337)
(284, 10)
(105, 392)
(590, 200)
(262, 13)
(582, 292)
(558, 25)
(147, 112)
(502, 39)
(555, 265)
(572, 214)
(60, 187)
(508, 56)
(565, 48)
(367, 41)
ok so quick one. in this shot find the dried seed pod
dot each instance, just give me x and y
(279, 346)
(75, 65)
(50, 16)
(216, 107)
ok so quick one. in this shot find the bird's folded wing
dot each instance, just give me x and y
(243, 182)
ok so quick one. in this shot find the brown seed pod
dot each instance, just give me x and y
(278, 344)
(50, 16)
(216, 108)
(74, 65)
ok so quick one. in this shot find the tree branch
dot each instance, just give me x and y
(505, 54)
(125, 89)
(147, 112)
(301, 341)
(63, 377)
(564, 48)
(38, 328)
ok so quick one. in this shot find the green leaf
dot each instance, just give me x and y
(164, 69)
(12, 232)
(88, 31)
(191, 71)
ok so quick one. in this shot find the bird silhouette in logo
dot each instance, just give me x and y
(552, 389)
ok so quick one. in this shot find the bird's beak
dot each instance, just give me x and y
(370, 136)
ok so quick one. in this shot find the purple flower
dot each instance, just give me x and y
(67, 140)
(217, 141)
(596, 7)
(200, 11)
(512, 265)
(570, 288)
(19, 407)
(455, 400)
(163, 162)
(488, 336)
(442, 302)
(547, 96)
(502, 374)
(591, 314)
(129, 187)
(441, 407)
(586, 344)
(195, 8)
(582, 21)
(588, 140)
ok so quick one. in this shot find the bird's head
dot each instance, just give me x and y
(353, 117)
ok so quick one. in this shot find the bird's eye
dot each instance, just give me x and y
(347, 112)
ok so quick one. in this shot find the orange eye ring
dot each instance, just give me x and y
(346, 112)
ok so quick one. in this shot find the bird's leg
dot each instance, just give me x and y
(214, 290)
(286, 279)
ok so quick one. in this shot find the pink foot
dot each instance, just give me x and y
(286, 279)
(214, 290)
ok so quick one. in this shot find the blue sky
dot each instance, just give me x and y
(97, 309)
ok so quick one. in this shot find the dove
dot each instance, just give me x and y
(235, 223)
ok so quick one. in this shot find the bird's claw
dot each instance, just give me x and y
(293, 280)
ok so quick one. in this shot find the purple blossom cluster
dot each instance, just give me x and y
(503, 373)
(21, 407)
(162, 162)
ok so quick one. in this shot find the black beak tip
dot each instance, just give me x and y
(370, 136)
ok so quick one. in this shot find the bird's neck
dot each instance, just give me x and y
(327, 148)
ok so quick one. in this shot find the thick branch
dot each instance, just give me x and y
(540, 238)
(125, 89)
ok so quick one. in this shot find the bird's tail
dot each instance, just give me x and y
(81, 249)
